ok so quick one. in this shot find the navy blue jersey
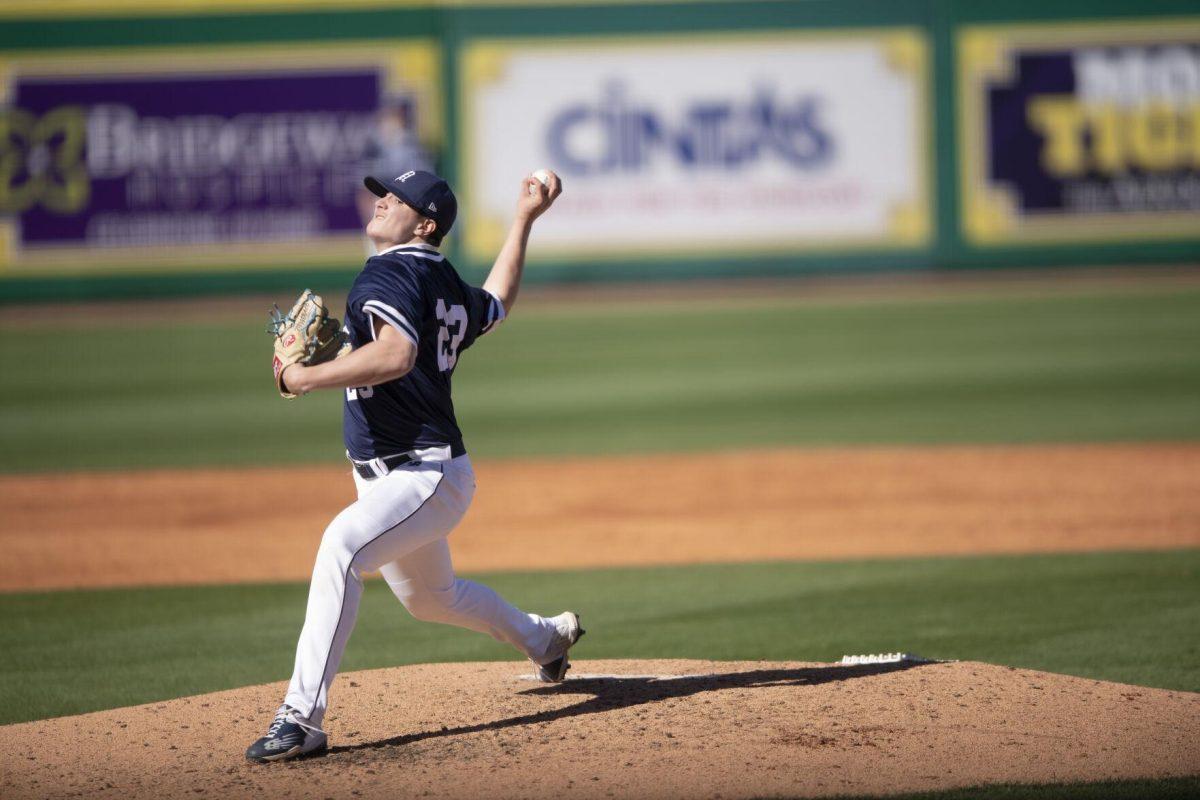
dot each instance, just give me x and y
(414, 289)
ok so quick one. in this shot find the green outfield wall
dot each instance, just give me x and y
(158, 149)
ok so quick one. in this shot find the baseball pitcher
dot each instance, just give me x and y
(409, 317)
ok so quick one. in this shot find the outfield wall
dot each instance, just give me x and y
(154, 148)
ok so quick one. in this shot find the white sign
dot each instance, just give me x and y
(682, 146)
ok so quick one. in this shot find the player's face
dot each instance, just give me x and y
(393, 222)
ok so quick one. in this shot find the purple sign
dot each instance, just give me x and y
(187, 159)
(1097, 130)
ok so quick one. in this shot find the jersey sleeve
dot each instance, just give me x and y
(487, 309)
(394, 298)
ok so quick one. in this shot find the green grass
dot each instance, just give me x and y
(1129, 617)
(1103, 366)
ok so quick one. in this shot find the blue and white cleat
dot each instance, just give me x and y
(288, 737)
(553, 667)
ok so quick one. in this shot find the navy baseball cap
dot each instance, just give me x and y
(426, 193)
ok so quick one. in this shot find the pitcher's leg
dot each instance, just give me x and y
(424, 581)
(333, 598)
(402, 515)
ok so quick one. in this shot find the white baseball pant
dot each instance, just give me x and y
(399, 526)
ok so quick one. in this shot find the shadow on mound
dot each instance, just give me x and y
(609, 693)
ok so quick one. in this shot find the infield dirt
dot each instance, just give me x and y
(626, 729)
(114, 529)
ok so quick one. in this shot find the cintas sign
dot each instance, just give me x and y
(617, 133)
(795, 141)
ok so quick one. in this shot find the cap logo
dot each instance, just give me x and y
(406, 176)
(432, 207)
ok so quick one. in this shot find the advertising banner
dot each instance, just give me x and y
(199, 158)
(779, 142)
(1080, 132)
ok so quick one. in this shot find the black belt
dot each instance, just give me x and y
(366, 469)
(367, 472)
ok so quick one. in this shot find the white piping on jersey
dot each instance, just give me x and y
(496, 312)
(426, 251)
(392, 317)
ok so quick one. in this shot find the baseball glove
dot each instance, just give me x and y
(306, 334)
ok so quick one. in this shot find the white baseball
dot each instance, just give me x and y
(543, 176)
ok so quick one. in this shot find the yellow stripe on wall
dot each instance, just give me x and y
(13, 9)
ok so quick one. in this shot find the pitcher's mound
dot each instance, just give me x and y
(644, 729)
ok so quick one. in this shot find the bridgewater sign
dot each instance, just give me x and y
(189, 162)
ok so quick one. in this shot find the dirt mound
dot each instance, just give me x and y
(116, 529)
(645, 729)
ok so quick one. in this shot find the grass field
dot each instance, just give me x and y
(1124, 617)
(1107, 364)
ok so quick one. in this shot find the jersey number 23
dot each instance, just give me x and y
(452, 327)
